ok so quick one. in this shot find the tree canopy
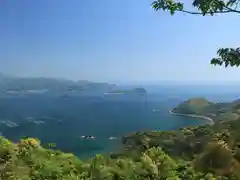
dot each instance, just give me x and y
(225, 56)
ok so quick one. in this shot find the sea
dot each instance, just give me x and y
(62, 121)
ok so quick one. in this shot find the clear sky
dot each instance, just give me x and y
(112, 41)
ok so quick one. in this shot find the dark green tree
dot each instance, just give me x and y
(226, 56)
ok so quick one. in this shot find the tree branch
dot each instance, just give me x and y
(219, 8)
(232, 10)
(226, 56)
(200, 13)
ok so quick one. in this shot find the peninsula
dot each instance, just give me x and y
(213, 112)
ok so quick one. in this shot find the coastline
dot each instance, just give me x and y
(211, 122)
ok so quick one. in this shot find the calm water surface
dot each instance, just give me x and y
(65, 120)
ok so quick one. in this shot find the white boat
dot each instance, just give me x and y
(87, 137)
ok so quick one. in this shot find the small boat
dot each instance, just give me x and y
(112, 138)
(87, 137)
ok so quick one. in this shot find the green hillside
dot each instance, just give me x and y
(206, 149)
(193, 106)
(203, 152)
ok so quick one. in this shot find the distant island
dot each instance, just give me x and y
(141, 91)
(15, 86)
(12, 86)
(202, 108)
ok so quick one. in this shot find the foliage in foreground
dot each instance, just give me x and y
(28, 160)
(204, 152)
(208, 149)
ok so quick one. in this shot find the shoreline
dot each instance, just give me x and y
(194, 116)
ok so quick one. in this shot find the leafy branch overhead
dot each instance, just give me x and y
(226, 56)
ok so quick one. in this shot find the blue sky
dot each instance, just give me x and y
(113, 41)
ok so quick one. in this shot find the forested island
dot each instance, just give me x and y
(202, 152)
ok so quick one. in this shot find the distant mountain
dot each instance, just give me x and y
(15, 85)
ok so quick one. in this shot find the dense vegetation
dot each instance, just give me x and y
(203, 152)
(206, 149)
(216, 111)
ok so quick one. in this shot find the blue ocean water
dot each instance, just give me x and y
(65, 120)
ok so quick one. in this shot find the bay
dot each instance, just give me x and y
(64, 120)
